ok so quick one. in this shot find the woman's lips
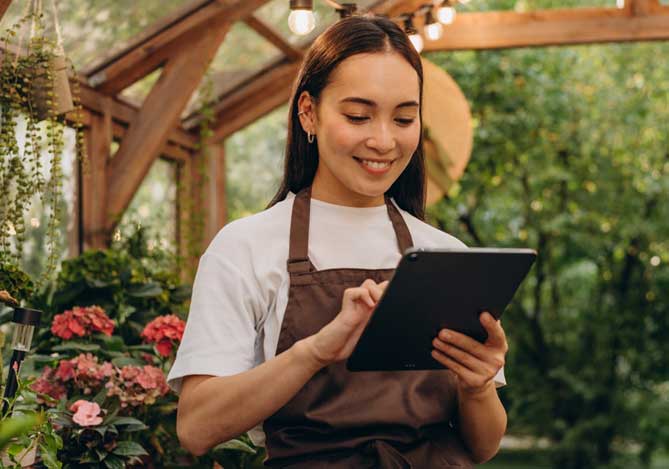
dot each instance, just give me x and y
(374, 167)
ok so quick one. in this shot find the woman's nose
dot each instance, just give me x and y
(382, 138)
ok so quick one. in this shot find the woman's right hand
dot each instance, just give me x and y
(336, 340)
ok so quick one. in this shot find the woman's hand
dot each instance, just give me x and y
(475, 364)
(336, 340)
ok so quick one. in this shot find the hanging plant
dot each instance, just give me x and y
(35, 88)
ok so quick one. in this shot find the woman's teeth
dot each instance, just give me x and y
(375, 164)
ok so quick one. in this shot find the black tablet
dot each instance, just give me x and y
(435, 289)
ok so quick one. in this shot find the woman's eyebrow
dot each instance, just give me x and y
(368, 102)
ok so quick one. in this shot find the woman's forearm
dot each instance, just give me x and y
(482, 421)
(217, 409)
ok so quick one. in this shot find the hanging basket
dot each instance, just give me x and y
(61, 96)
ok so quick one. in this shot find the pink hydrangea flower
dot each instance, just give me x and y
(164, 331)
(80, 321)
(86, 413)
(137, 385)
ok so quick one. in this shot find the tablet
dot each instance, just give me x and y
(433, 289)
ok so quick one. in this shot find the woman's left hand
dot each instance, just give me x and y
(474, 363)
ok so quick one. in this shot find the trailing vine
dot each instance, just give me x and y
(29, 91)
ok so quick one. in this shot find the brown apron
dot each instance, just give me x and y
(341, 419)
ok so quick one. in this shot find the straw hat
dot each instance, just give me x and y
(447, 129)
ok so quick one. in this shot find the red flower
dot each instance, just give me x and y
(81, 321)
(135, 385)
(164, 331)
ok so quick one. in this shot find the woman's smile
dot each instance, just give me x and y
(375, 167)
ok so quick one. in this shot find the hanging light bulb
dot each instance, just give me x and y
(446, 13)
(412, 32)
(620, 4)
(347, 9)
(301, 19)
(433, 29)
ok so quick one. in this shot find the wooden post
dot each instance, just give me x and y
(160, 112)
(94, 182)
(4, 5)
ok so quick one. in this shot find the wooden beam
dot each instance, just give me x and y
(160, 112)
(643, 7)
(4, 6)
(273, 36)
(258, 97)
(94, 181)
(125, 113)
(145, 55)
(499, 30)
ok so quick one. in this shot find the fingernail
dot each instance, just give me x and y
(445, 335)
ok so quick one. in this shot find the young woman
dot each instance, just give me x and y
(281, 297)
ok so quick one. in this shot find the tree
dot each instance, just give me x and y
(571, 157)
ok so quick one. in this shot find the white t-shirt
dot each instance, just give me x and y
(240, 291)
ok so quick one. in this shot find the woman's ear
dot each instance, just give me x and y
(306, 112)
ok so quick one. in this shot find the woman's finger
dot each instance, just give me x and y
(469, 361)
(496, 335)
(464, 342)
(375, 289)
(465, 376)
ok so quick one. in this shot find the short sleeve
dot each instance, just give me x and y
(220, 333)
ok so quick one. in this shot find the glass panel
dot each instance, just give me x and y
(137, 92)
(35, 249)
(95, 28)
(154, 207)
(254, 164)
(242, 54)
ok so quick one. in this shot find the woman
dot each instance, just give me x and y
(281, 297)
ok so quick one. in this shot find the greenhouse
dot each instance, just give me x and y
(161, 161)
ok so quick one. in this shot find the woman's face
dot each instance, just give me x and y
(367, 128)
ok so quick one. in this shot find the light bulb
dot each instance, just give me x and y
(620, 4)
(301, 21)
(433, 29)
(417, 42)
(446, 14)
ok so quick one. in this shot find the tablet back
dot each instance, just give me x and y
(432, 290)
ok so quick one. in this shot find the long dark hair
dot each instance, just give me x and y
(348, 37)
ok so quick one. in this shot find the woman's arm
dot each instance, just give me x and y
(481, 416)
(215, 409)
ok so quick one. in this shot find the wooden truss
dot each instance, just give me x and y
(183, 45)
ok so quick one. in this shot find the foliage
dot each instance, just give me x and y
(30, 89)
(16, 282)
(569, 159)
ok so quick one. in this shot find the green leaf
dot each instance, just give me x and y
(15, 426)
(49, 457)
(129, 448)
(114, 462)
(125, 361)
(235, 445)
(147, 290)
(80, 346)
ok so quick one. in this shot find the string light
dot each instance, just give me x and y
(433, 29)
(446, 13)
(301, 20)
(412, 32)
(347, 9)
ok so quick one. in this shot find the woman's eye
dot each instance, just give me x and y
(357, 119)
(404, 121)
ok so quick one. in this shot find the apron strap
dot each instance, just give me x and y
(404, 240)
(298, 254)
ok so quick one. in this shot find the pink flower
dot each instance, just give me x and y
(137, 385)
(86, 413)
(164, 331)
(81, 321)
(48, 384)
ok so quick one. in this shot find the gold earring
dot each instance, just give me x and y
(310, 137)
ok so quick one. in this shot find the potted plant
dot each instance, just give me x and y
(35, 89)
